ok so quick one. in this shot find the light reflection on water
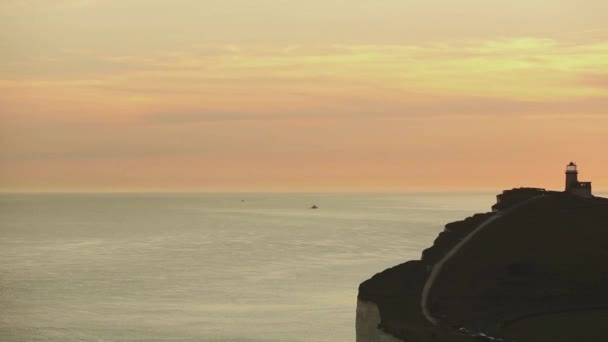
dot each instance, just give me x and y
(204, 267)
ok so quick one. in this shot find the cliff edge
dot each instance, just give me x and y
(533, 269)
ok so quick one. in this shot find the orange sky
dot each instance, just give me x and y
(285, 95)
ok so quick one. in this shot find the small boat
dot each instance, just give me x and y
(314, 207)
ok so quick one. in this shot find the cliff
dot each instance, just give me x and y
(518, 273)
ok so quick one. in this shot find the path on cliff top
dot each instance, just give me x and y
(439, 265)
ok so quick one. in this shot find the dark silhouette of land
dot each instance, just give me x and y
(534, 269)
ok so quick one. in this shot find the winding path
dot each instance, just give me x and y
(424, 299)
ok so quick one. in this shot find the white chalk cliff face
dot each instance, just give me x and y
(368, 319)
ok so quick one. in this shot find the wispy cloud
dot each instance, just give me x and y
(526, 68)
(594, 80)
(441, 109)
(29, 5)
(202, 117)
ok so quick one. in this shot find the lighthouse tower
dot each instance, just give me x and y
(573, 186)
(571, 176)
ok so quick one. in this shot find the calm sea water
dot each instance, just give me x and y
(204, 267)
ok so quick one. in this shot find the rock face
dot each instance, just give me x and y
(536, 270)
(368, 321)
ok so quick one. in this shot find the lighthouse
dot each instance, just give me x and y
(573, 186)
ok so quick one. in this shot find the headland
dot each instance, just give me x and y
(532, 269)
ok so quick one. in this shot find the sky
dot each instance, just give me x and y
(316, 95)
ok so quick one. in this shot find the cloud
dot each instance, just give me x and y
(488, 68)
(594, 80)
(207, 83)
(34, 5)
(202, 117)
(461, 108)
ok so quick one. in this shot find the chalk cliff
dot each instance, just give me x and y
(533, 269)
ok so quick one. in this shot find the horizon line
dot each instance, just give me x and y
(417, 191)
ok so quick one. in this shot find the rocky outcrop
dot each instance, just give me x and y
(536, 263)
(509, 198)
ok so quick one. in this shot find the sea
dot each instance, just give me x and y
(217, 267)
